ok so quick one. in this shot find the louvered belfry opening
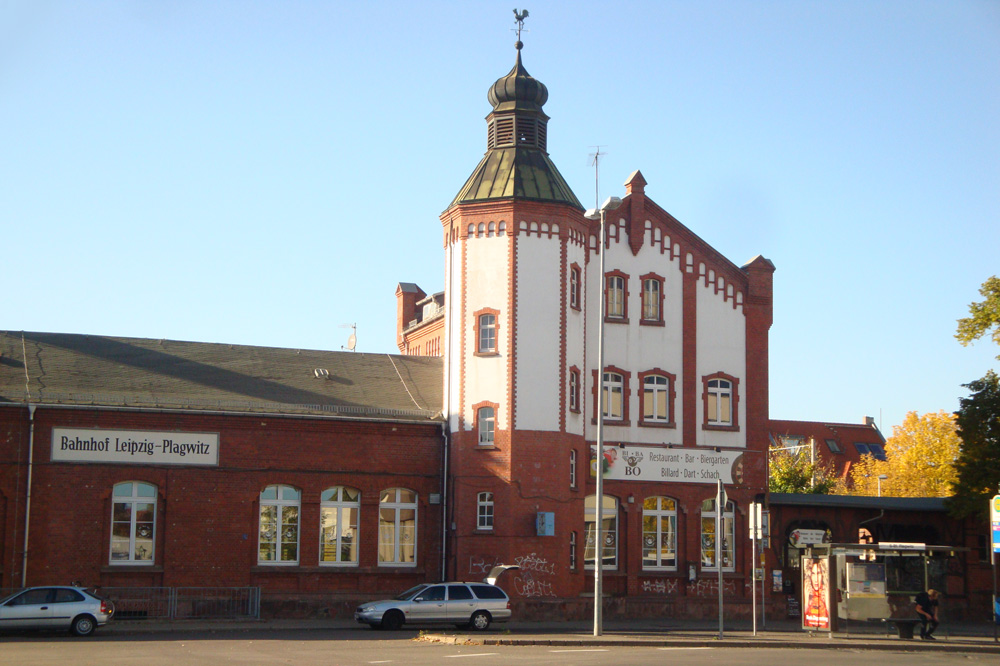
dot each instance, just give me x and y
(508, 130)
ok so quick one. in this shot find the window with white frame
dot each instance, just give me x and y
(607, 541)
(397, 527)
(278, 540)
(652, 299)
(615, 297)
(656, 399)
(339, 510)
(614, 396)
(486, 424)
(719, 402)
(572, 468)
(574, 287)
(574, 389)
(484, 511)
(659, 533)
(486, 333)
(133, 523)
(708, 540)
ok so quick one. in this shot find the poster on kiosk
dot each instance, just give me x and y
(816, 593)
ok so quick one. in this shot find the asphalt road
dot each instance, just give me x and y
(308, 648)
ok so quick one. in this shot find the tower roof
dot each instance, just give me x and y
(516, 164)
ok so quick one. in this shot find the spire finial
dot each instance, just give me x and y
(519, 19)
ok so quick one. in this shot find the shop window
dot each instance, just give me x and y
(709, 542)
(339, 511)
(607, 541)
(133, 523)
(659, 533)
(278, 540)
(397, 528)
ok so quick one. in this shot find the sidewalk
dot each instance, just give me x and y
(966, 637)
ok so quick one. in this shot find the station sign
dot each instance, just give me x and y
(134, 447)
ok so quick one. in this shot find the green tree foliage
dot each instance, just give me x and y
(793, 472)
(983, 316)
(919, 459)
(978, 463)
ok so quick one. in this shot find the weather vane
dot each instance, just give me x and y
(519, 19)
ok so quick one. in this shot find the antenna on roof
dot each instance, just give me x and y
(595, 162)
(352, 340)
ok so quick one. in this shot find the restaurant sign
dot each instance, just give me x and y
(680, 465)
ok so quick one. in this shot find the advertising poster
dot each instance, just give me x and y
(649, 463)
(816, 593)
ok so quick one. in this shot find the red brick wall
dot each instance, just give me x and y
(207, 517)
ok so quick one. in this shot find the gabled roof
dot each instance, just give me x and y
(68, 369)
(845, 437)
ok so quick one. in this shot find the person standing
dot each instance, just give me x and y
(927, 611)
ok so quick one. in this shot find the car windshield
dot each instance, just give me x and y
(411, 592)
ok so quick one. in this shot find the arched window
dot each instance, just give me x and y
(659, 533)
(615, 297)
(133, 523)
(484, 511)
(719, 402)
(608, 538)
(652, 299)
(656, 403)
(340, 507)
(708, 540)
(397, 527)
(278, 540)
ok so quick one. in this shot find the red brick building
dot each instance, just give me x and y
(152, 463)
(839, 444)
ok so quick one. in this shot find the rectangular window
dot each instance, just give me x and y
(659, 533)
(708, 541)
(338, 520)
(574, 390)
(616, 297)
(614, 396)
(572, 468)
(655, 394)
(574, 287)
(720, 402)
(651, 299)
(397, 527)
(572, 550)
(607, 541)
(487, 334)
(484, 511)
(133, 523)
(833, 446)
(278, 540)
(486, 420)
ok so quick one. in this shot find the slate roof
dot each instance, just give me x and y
(70, 369)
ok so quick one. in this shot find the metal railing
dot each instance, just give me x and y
(184, 603)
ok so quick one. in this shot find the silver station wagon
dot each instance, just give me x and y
(57, 607)
(466, 605)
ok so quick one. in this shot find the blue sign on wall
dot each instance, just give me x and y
(545, 523)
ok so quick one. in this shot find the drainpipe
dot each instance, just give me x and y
(27, 498)
(444, 504)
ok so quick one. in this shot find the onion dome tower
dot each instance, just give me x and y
(516, 164)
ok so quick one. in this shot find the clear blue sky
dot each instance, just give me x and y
(264, 172)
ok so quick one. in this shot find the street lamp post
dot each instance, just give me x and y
(610, 203)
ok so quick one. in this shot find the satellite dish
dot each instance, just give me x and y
(352, 340)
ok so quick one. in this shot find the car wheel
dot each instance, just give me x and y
(83, 625)
(480, 621)
(392, 620)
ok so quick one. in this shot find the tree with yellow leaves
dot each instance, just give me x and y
(920, 459)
